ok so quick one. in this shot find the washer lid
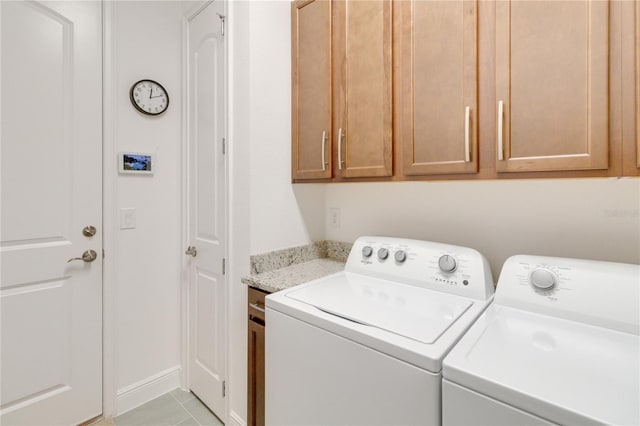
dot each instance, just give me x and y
(415, 313)
(561, 370)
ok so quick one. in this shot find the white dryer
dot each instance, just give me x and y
(559, 345)
(365, 346)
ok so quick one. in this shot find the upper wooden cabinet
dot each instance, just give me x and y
(311, 89)
(465, 89)
(552, 85)
(341, 89)
(437, 86)
(362, 88)
(630, 52)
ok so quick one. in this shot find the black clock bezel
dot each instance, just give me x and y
(135, 105)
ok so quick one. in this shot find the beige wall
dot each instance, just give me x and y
(580, 218)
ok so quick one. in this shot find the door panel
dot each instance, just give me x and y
(552, 77)
(207, 207)
(438, 84)
(363, 83)
(51, 154)
(311, 89)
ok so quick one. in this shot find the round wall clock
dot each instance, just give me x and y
(149, 97)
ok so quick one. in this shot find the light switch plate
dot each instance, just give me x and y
(127, 218)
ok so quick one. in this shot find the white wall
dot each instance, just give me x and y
(239, 207)
(144, 263)
(581, 218)
(282, 215)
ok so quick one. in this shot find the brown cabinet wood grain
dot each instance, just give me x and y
(552, 85)
(437, 86)
(469, 89)
(630, 52)
(362, 89)
(341, 89)
(256, 367)
(311, 89)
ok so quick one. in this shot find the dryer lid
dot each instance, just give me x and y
(564, 371)
(415, 313)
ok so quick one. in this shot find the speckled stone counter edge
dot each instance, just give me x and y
(282, 269)
(279, 259)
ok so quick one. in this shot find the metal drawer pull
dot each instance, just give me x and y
(256, 307)
(340, 162)
(324, 142)
(467, 118)
(500, 124)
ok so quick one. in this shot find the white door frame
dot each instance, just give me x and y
(184, 290)
(109, 217)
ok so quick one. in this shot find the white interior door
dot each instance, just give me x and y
(51, 188)
(207, 206)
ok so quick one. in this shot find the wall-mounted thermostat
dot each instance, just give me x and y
(136, 162)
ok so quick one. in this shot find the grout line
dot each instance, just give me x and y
(185, 408)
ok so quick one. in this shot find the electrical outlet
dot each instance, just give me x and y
(334, 217)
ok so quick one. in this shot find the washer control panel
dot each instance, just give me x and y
(437, 266)
(599, 293)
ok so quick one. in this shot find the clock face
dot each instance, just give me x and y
(149, 97)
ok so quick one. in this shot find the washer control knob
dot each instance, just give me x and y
(543, 279)
(383, 253)
(367, 251)
(400, 256)
(447, 263)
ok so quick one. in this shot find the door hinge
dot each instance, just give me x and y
(224, 146)
(222, 19)
(103, 253)
(224, 388)
(224, 265)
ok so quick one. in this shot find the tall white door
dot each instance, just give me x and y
(51, 189)
(207, 207)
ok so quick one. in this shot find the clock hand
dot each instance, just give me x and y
(150, 92)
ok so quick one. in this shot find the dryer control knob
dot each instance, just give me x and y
(383, 253)
(367, 251)
(543, 279)
(400, 256)
(447, 263)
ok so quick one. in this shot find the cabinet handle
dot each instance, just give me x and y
(500, 125)
(256, 307)
(467, 117)
(324, 143)
(340, 162)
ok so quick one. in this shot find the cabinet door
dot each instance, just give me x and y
(438, 77)
(256, 375)
(637, 75)
(552, 85)
(311, 89)
(362, 88)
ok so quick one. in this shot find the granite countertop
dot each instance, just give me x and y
(286, 268)
(290, 276)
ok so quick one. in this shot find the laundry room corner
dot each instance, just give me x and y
(142, 269)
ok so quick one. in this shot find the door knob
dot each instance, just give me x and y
(87, 256)
(89, 231)
(191, 251)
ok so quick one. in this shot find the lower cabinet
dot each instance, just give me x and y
(255, 385)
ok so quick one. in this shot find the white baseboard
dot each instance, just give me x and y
(236, 420)
(147, 389)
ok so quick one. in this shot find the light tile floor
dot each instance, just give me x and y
(176, 408)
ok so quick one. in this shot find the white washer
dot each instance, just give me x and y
(560, 344)
(365, 346)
